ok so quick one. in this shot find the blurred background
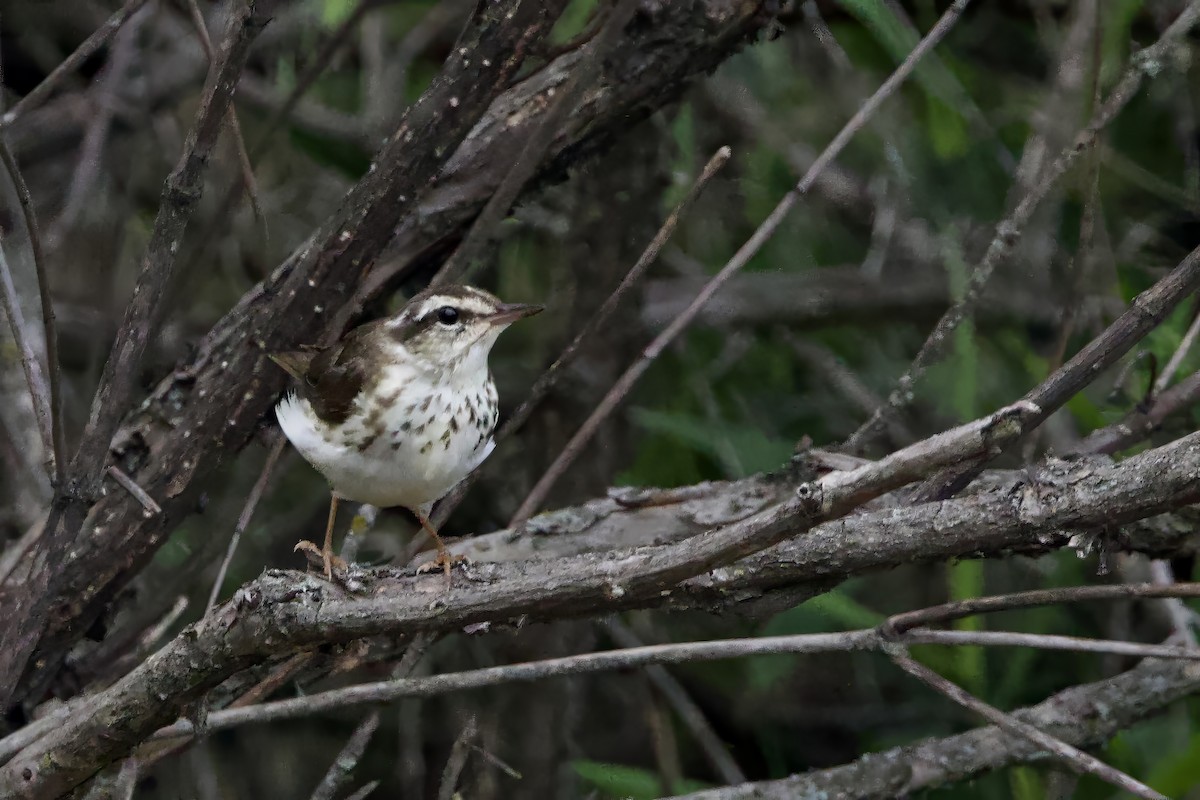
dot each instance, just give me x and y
(803, 345)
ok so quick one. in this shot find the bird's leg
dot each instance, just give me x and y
(444, 559)
(326, 552)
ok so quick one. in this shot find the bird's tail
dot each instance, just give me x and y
(293, 362)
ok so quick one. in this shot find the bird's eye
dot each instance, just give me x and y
(447, 315)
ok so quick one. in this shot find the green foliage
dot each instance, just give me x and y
(622, 782)
(334, 12)
(573, 21)
(1177, 774)
(740, 450)
(728, 402)
(970, 664)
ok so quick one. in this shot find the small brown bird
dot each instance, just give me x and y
(401, 409)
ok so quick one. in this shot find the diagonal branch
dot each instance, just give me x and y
(181, 192)
(1073, 757)
(747, 251)
(210, 406)
(72, 62)
(287, 612)
(1008, 232)
(461, 262)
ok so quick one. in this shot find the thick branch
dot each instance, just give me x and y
(181, 192)
(211, 406)
(289, 612)
(1082, 716)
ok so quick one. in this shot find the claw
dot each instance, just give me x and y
(444, 561)
(326, 557)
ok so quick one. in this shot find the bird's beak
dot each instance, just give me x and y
(508, 313)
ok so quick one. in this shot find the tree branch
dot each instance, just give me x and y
(28, 600)
(287, 612)
(209, 407)
(1083, 716)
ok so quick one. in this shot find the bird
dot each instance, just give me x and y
(400, 409)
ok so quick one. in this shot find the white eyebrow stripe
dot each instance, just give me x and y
(473, 303)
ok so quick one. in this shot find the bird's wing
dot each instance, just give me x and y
(294, 362)
(331, 377)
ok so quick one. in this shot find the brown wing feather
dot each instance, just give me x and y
(333, 380)
(331, 377)
(294, 363)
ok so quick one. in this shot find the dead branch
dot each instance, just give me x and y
(209, 407)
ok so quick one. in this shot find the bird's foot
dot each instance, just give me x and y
(445, 561)
(319, 555)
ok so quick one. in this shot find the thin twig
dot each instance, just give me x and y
(947, 612)
(1073, 757)
(260, 486)
(136, 491)
(104, 103)
(304, 82)
(689, 712)
(457, 760)
(39, 393)
(279, 676)
(387, 691)
(345, 762)
(49, 329)
(747, 251)
(1185, 346)
(362, 793)
(547, 380)
(235, 126)
(870, 639)
(1044, 641)
(1008, 232)
(72, 62)
(496, 762)
(181, 194)
(460, 263)
(1139, 423)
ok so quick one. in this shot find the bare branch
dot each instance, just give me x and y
(211, 405)
(34, 379)
(50, 331)
(747, 251)
(1185, 346)
(260, 486)
(345, 762)
(1144, 314)
(72, 62)
(545, 382)
(235, 126)
(527, 162)
(457, 760)
(1044, 641)
(181, 192)
(1009, 230)
(1139, 423)
(959, 609)
(130, 485)
(1073, 757)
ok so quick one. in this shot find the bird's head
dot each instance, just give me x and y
(454, 326)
